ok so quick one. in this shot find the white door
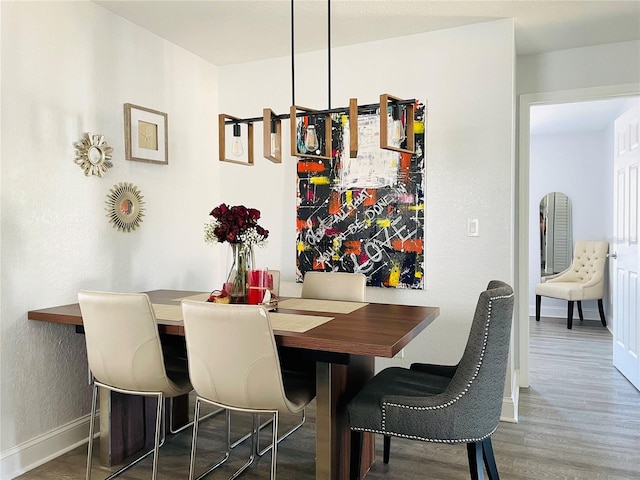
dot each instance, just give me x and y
(624, 258)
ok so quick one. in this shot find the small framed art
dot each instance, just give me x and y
(146, 135)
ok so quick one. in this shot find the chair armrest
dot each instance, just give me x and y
(440, 370)
(567, 275)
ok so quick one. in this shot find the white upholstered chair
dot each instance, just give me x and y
(234, 364)
(125, 356)
(583, 280)
(341, 286)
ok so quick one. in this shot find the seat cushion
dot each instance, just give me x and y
(365, 410)
(563, 290)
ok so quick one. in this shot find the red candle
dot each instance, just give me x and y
(257, 286)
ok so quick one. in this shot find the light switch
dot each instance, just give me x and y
(472, 227)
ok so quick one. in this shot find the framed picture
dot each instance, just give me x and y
(145, 135)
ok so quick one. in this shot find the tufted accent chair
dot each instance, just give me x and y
(444, 404)
(583, 280)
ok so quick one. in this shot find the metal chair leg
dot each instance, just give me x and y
(194, 443)
(159, 427)
(172, 430)
(92, 422)
(284, 435)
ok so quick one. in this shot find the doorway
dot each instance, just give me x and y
(523, 217)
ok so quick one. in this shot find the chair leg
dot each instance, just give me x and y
(476, 465)
(274, 443)
(356, 454)
(570, 314)
(194, 443)
(91, 430)
(580, 311)
(169, 406)
(489, 459)
(601, 310)
(387, 448)
(538, 301)
(159, 428)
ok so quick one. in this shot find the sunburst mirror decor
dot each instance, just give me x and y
(93, 154)
(124, 206)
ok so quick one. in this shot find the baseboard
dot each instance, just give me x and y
(37, 451)
(509, 411)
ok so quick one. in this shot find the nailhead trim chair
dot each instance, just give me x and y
(583, 280)
(444, 404)
(234, 364)
(125, 355)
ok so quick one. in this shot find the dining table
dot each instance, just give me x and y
(342, 338)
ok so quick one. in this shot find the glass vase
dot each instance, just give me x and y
(241, 263)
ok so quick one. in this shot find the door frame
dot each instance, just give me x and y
(526, 101)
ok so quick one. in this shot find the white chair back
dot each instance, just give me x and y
(341, 286)
(233, 359)
(123, 344)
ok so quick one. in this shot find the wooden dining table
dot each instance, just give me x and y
(343, 347)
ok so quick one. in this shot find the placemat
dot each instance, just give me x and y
(314, 305)
(172, 314)
(290, 322)
(167, 314)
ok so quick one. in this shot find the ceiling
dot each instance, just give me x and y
(588, 116)
(234, 31)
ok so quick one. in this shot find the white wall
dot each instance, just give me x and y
(67, 68)
(577, 165)
(465, 74)
(610, 64)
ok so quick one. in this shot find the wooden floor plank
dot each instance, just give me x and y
(579, 420)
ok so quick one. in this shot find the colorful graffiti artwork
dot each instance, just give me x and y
(364, 214)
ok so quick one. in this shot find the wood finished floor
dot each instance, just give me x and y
(579, 420)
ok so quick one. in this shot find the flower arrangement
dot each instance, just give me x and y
(236, 225)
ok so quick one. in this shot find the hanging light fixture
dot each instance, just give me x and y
(237, 149)
(236, 145)
(306, 139)
(272, 143)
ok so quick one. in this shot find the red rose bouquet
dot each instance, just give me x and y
(236, 224)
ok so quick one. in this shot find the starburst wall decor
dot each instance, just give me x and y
(124, 207)
(93, 154)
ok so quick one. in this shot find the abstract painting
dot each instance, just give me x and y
(363, 214)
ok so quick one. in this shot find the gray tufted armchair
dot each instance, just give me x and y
(433, 403)
(583, 280)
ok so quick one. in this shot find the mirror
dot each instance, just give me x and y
(556, 239)
(93, 154)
